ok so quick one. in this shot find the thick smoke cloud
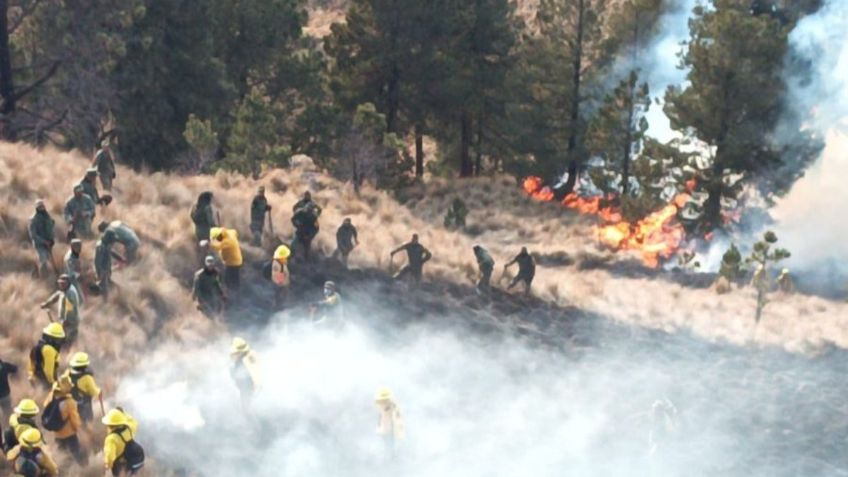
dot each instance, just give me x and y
(811, 219)
(488, 406)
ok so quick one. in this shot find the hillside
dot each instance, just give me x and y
(578, 286)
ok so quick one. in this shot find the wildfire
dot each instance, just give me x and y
(656, 237)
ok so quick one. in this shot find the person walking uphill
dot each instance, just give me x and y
(122, 455)
(203, 216)
(104, 164)
(44, 356)
(526, 270)
(61, 416)
(207, 291)
(42, 235)
(417, 255)
(258, 209)
(486, 264)
(347, 239)
(125, 236)
(225, 242)
(89, 187)
(69, 307)
(79, 212)
(29, 458)
(84, 389)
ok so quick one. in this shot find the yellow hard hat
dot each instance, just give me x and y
(31, 438)
(214, 232)
(79, 360)
(114, 418)
(54, 330)
(384, 394)
(282, 253)
(27, 407)
(239, 346)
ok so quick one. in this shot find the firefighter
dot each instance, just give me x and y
(346, 240)
(306, 201)
(784, 281)
(244, 370)
(29, 458)
(486, 264)
(89, 186)
(329, 310)
(73, 267)
(258, 209)
(417, 255)
(85, 388)
(225, 242)
(42, 235)
(61, 416)
(44, 356)
(390, 426)
(203, 216)
(125, 236)
(280, 274)
(23, 418)
(526, 270)
(68, 301)
(6, 369)
(306, 227)
(103, 254)
(80, 211)
(121, 454)
(104, 164)
(207, 290)
(663, 424)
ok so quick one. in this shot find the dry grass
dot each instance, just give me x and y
(152, 306)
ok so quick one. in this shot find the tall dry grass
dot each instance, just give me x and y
(151, 305)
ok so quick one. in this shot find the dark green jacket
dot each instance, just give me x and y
(41, 229)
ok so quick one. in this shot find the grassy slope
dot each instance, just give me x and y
(153, 304)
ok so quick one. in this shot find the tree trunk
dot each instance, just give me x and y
(628, 146)
(419, 152)
(574, 128)
(466, 168)
(7, 87)
(393, 86)
(478, 148)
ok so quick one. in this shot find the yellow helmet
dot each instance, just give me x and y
(114, 418)
(31, 438)
(27, 407)
(384, 394)
(54, 330)
(79, 360)
(239, 346)
(214, 232)
(282, 253)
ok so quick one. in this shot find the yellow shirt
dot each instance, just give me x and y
(45, 462)
(228, 247)
(113, 445)
(50, 357)
(86, 385)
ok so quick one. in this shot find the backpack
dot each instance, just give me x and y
(51, 418)
(133, 453)
(76, 392)
(26, 465)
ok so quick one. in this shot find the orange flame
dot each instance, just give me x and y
(657, 236)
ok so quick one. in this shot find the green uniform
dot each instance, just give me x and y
(68, 302)
(207, 290)
(417, 255)
(486, 264)
(105, 168)
(42, 235)
(204, 220)
(79, 212)
(526, 270)
(90, 189)
(258, 208)
(126, 237)
(330, 311)
(73, 268)
(103, 265)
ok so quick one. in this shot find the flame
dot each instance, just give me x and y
(656, 237)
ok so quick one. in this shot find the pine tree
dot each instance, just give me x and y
(254, 141)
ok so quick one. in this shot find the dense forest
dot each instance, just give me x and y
(192, 86)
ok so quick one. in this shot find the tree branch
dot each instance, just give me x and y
(25, 91)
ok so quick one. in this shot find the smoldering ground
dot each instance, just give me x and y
(484, 405)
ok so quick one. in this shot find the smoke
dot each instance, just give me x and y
(811, 218)
(476, 406)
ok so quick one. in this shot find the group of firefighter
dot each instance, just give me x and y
(67, 408)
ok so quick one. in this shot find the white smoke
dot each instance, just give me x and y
(811, 218)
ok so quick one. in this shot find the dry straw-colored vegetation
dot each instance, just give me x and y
(152, 306)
